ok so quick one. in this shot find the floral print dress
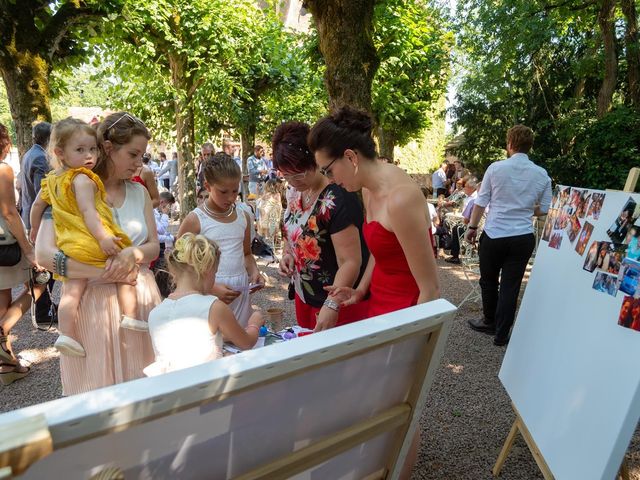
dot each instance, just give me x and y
(308, 235)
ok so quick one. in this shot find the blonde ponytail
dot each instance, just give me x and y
(193, 253)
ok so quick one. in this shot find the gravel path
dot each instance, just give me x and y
(467, 417)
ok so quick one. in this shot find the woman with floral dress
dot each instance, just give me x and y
(322, 229)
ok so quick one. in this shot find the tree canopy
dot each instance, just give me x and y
(550, 66)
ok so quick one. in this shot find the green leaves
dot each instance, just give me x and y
(413, 44)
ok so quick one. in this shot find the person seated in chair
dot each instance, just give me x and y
(471, 191)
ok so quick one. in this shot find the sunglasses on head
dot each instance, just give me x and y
(125, 114)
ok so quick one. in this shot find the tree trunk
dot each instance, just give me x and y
(185, 137)
(386, 143)
(247, 139)
(632, 48)
(26, 77)
(607, 31)
(345, 30)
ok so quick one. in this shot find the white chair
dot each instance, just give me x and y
(470, 263)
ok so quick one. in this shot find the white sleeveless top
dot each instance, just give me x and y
(181, 335)
(230, 239)
(130, 216)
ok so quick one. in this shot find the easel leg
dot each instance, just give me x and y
(506, 448)
(519, 426)
(537, 455)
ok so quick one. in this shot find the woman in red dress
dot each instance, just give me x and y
(401, 271)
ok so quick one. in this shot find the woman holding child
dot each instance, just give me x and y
(113, 354)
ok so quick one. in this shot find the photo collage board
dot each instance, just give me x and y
(614, 259)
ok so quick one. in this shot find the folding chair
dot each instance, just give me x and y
(470, 263)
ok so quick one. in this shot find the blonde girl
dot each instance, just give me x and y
(188, 327)
(219, 221)
(84, 225)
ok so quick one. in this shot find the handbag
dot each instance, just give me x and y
(10, 255)
(10, 251)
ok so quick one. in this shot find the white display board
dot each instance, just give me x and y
(346, 401)
(571, 368)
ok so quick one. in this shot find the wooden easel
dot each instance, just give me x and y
(519, 426)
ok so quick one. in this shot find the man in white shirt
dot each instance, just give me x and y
(518, 189)
(439, 180)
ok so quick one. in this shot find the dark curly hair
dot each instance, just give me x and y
(290, 149)
(5, 141)
(344, 128)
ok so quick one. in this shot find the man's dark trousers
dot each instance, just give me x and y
(503, 262)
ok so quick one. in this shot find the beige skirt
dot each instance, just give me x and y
(15, 276)
(113, 355)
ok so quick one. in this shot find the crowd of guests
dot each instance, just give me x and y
(100, 222)
(140, 298)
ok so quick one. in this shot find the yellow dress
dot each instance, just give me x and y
(72, 235)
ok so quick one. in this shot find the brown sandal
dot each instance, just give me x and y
(5, 353)
(7, 378)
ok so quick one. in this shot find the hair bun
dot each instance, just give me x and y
(291, 132)
(352, 119)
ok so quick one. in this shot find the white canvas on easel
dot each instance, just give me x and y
(343, 403)
(571, 371)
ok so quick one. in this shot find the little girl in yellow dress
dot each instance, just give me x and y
(83, 222)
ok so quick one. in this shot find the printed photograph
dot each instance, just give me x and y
(555, 198)
(623, 223)
(591, 259)
(595, 205)
(577, 199)
(633, 243)
(629, 276)
(606, 283)
(564, 196)
(630, 313)
(573, 228)
(548, 225)
(584, 204)
(556, 239)
(585, 235)
(610, 257)
(563, 217)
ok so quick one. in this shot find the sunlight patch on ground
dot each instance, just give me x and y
(39, 355)
(455, 368)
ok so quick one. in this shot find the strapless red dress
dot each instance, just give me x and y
(392, 284)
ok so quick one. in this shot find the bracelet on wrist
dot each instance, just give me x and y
(332, 305)
(471, 228)
(254, 326)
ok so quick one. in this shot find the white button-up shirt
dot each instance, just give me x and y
(438, 179)
(513, 187)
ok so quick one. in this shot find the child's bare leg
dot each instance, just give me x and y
(69, 304)
(67, 317)
(128, 300)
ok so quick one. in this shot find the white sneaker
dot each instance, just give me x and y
(133, 324)
(68, 346)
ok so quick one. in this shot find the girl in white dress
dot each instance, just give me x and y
(187, 327)
(219, 221)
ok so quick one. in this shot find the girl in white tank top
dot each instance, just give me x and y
(218, 220)
(188, 327)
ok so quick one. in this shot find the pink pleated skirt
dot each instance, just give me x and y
(114, 355)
